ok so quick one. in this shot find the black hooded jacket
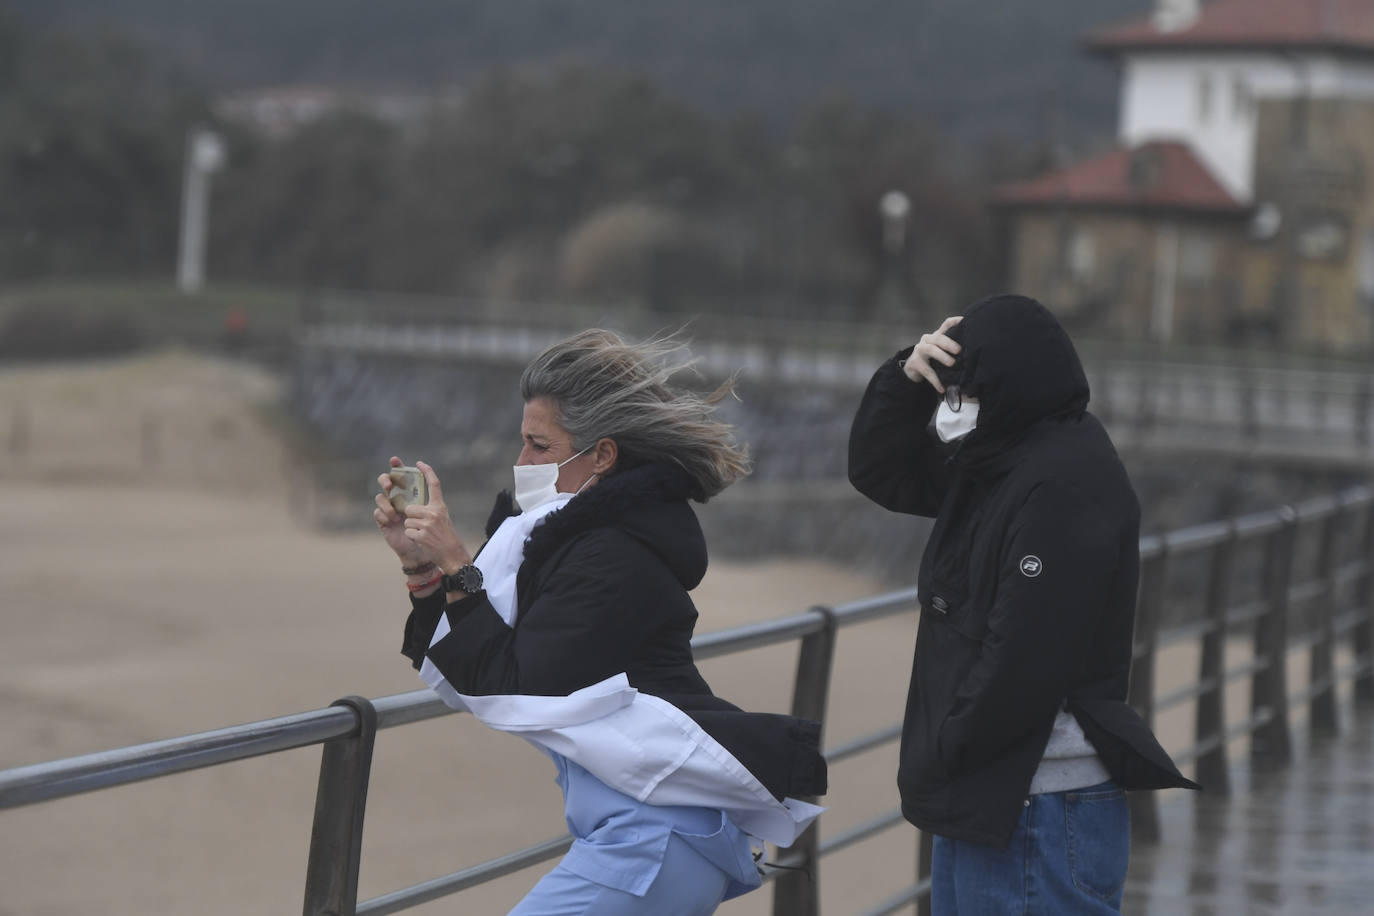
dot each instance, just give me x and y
(603, 590)
(1028, 581)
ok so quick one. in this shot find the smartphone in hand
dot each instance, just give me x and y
(408, 487)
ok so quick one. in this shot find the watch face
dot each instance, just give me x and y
(467, 579)
(472, 578)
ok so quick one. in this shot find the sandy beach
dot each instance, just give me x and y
(155, 583)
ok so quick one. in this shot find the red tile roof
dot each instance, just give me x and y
(1344, 25)
(1158, 176)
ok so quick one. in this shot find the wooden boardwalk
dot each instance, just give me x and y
(1296, 840)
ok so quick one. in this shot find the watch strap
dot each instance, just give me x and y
(467, 579)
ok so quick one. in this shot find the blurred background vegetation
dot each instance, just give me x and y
(677, 156)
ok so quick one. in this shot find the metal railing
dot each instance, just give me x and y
(1320, 415)
(1324, 581)
(1325, 417)
(1333, 595)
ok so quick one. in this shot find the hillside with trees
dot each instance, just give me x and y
(970, 66)
(675, 156)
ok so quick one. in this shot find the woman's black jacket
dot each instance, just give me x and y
(1028, 581)
(603, 590)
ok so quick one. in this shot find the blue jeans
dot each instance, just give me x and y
(1068, 855)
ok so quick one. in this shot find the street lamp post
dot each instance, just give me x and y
(895, 208)
(893, 298)
(204, 155)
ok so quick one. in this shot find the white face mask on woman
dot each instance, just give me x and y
(536, 484)
(951, 425)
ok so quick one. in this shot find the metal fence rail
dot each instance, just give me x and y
(1315, 565)
(1246, 403)
(1214, 401)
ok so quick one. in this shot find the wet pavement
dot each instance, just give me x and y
(1297, 840)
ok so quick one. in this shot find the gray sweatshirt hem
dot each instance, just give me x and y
(1069, 762)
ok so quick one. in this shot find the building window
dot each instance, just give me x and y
(1242, 100)
(1195, 259)
(1364, 278)
(1077, 253)
(1143, 168)
(1082, 254)
(1204, 98)
(1323, 236)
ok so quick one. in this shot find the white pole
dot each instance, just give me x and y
(204, 154)
(895, 207)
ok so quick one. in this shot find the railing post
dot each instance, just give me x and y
(1213, 769)
(1364, 396)
(1322, 707)
(1269, 686)
(336, 837)
(1145, 407)
(1154, 576)
(1249, 408)
(797, 893)
(1362, 638)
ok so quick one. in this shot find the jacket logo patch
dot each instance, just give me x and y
(1031, 566)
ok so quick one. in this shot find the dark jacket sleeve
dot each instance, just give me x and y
(1039, 628)
(894, 459)
(425, 612)
(424, 618)
(592, 611)
(783, 752)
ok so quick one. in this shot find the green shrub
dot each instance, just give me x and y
(56, 332)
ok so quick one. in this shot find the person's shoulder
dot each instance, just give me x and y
(607, 543)
(611, 548)
(1074, 442)
(1077, 456)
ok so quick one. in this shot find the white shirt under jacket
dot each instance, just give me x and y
(637, 744)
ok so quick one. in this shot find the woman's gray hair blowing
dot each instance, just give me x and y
(605, 387)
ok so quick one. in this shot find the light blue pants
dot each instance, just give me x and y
(1068, 855)
(687, 885)
(629, 857)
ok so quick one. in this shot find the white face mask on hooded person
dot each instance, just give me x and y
(536, 484)
(953, 425)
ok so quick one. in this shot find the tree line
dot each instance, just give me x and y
(975, 67)
(555, 182)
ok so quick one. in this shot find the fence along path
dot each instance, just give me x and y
(1214, 403)
(1294, 584)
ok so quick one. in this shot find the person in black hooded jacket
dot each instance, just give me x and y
(600, 562)
(1017, 742)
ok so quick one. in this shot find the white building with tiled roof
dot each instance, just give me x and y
(1240, 202)
(1194, 71)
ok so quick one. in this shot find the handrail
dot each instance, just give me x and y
(26, 785)
(345, 730)
(38, 782)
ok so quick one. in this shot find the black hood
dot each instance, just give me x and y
(648, 502)
(1020, 364)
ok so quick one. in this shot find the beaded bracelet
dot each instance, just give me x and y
(416, 587)
(416, 570)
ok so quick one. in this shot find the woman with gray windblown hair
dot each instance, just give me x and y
(572, 628)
